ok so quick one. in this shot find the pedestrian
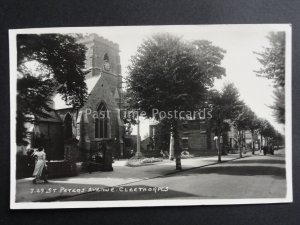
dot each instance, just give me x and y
(99, 157)
(131, 153)
(40, 165)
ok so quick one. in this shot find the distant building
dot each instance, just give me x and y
(246, 139)
(195, 137)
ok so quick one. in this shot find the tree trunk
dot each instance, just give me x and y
(218, 143)
(177, 150)
(243, 141)
(260, 146)
(171, 149)
(219, 149)
(240, 144)
(253, 147)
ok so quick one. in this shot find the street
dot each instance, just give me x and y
(257, 176)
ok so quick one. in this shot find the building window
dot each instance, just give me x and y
(102, 122)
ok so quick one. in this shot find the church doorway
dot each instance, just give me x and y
(68, 134)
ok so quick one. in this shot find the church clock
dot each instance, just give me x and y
(106, 66)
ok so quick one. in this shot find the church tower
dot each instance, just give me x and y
(104, 83)
(103, 59)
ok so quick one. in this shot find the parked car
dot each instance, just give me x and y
(269, 149)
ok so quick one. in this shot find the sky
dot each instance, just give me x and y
(239, 61)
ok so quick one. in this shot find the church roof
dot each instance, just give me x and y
(91, 82)
(59, 103)
(52, 117)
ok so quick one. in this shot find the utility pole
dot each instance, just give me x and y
(138, 153)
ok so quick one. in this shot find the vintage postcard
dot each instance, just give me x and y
(150, 116)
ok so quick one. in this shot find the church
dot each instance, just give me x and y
(98, 122)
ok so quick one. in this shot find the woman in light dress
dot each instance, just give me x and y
(40, 165)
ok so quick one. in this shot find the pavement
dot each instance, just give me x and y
(122, 175)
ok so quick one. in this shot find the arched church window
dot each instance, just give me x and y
(68, 127)
(102, 122)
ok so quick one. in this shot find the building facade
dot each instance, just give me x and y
(98, 122)
(195, 137)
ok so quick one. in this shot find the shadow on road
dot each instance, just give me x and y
(262, 161)
(276, 172)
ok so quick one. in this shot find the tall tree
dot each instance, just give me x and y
(247, 120)
(279, 106)
(225, 106)
(253, 127)
(266, 130)
(168, 74)
(272, 59)
(47, 64)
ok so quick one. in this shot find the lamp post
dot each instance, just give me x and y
(217, 140)
(171, 149)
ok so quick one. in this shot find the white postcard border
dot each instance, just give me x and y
(146, 203)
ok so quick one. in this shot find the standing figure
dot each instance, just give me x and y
(40, 165)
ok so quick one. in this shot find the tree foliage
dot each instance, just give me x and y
(225, 106)
(279, 106)
(266, 129)
(272, 60)
(47, 64)
(169, 74)
(246, 119)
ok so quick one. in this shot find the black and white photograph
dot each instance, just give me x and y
(173, 115)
